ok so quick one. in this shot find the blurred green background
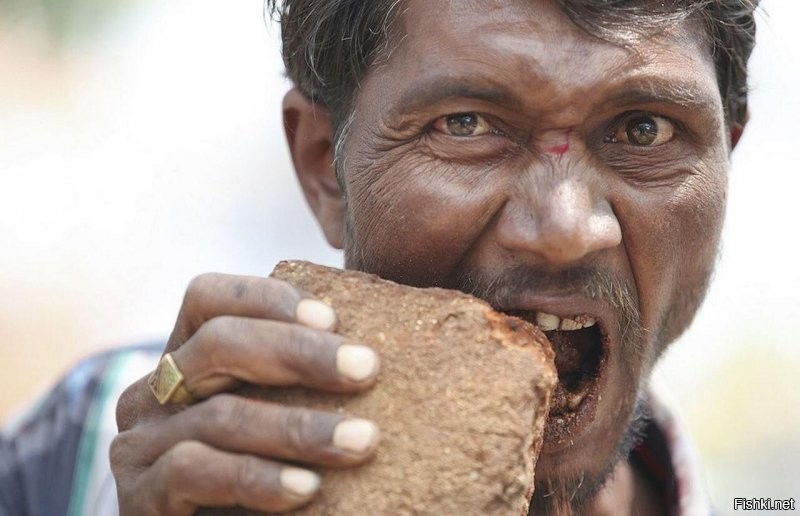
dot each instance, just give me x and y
(63, 21)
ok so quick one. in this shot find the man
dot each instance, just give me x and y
(564, 160)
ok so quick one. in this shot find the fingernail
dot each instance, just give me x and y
(315, 314)
(299, 481)
(356, 362)
(355, 435)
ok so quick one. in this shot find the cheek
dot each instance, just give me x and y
(673, 254)
(413, 218)
(699, 215)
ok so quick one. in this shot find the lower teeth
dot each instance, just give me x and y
(576, 400)
(565, 401)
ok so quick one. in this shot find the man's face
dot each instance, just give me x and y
(501, 150)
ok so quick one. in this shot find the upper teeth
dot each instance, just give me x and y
(549, 322)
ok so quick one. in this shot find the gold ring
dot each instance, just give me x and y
(166, 382)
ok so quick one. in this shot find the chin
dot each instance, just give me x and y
(573, 468)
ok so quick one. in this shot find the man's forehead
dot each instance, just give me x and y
(438, 26)
(504, 48)
(416, 14)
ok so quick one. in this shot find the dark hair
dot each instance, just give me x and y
(328, 44)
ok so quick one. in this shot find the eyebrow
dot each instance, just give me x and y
(684, 94)
(439, 89)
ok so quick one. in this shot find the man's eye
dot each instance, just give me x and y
(463, 124)
(643, 130)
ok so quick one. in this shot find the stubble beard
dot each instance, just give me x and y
(566, 493)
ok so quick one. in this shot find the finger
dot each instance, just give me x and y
(240, 425)
(227, 350)
(192, 474)
(214, 294)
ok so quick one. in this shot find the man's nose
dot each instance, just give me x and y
(561, 224)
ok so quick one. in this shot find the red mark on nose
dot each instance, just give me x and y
(562, 146)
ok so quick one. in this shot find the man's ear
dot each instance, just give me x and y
(310, 137)
(737, 128)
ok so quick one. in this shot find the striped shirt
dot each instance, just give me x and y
(54, 457)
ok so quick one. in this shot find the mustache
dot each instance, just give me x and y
(504, 288)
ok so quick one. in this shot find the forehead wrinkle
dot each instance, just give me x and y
(651, 80)
(551, 56)
(534, 63)
(508, 24)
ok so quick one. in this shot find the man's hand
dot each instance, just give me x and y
(226, 450)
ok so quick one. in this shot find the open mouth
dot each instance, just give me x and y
(580, 347)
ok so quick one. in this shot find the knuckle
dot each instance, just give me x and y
(215, 332)
(123, 412)
(181, 460)
(194, 298)
(249, 476)
(223, 413)
(199, 287)
(118, 451)
(304, 347)
(296, 425)
(279, 292)
(168, 472)
(128, 409)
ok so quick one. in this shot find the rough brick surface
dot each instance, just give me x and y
(461, 399)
